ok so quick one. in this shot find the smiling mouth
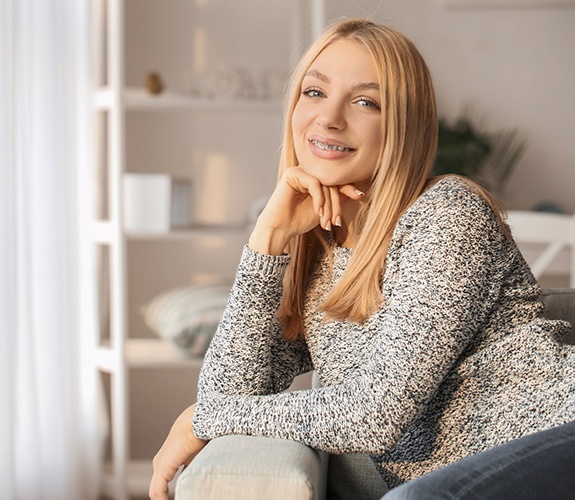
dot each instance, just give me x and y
(330, 147)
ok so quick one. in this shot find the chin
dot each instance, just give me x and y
(325, 178)
(329, 181)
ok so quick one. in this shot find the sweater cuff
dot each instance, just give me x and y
(262, 264)
(203, 424)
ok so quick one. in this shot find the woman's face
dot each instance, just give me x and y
(336, 123)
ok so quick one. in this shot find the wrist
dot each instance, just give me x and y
(268, 241)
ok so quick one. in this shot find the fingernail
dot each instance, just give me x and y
(328, 226)
(320, 213)
(338, 221)
(359, 193)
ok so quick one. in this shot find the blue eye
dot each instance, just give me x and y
(313, 93)
(368, 103)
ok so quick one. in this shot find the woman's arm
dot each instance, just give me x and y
(446, 282)
(248, 354)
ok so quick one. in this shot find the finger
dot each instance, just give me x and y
(158, 488)
(351, 191)
(327, 214)
(299, 181)
(335, 197)
(315, 190)
(161, 477)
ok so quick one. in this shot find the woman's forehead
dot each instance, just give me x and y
(345, 59)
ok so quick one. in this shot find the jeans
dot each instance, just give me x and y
(539, 466)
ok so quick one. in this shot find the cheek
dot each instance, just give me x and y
(301, 118)
(296, 122)
(375, 141)
(298, 127)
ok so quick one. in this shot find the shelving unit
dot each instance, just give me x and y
(118, 353)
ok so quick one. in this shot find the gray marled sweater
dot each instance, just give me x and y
(457, 361)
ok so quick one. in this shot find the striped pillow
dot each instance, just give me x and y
(188, 316)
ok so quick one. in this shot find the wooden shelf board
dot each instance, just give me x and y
(140, 99)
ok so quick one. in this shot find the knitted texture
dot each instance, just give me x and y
(459, 359)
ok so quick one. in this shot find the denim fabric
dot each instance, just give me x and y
(540, 466)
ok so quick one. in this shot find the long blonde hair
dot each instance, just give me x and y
(408, 149)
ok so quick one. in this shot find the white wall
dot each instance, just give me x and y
(515, 66)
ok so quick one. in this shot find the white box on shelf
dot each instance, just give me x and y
(147, 203)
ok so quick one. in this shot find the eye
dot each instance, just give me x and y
(368, 103)
(313, 92)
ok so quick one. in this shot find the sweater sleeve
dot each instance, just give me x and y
(247, 354)
(444, 259)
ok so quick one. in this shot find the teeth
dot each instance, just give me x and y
(329, 147)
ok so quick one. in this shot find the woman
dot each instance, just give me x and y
(407, 295)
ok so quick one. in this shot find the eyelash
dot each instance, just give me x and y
(370, 102)
(308, 91)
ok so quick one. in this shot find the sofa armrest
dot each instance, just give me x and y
(254, 468)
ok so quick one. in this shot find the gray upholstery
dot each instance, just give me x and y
(254, 468)
(354, 477)
(561, 305)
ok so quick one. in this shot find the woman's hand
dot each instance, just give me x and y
(298, 204)
(179, 448)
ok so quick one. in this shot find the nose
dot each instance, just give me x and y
(331, 115)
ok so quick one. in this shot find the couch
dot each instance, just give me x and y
(257, 468)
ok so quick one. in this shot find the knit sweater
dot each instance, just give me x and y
(457, 360)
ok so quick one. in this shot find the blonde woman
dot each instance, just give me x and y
(406, 294)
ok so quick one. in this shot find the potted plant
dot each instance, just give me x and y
(488, 158)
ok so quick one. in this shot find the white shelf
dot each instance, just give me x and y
(149, 353)
(104, 232)
(189, 233)
(139, 99)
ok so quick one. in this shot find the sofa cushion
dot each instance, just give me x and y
(354, 476)
(254, 468)
(560, 304)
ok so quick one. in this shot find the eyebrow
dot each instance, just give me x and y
(360, 86)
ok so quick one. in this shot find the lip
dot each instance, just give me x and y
(328, 153)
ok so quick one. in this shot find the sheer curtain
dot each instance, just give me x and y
(49, 443)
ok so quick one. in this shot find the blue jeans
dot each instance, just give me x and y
(539, 466)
